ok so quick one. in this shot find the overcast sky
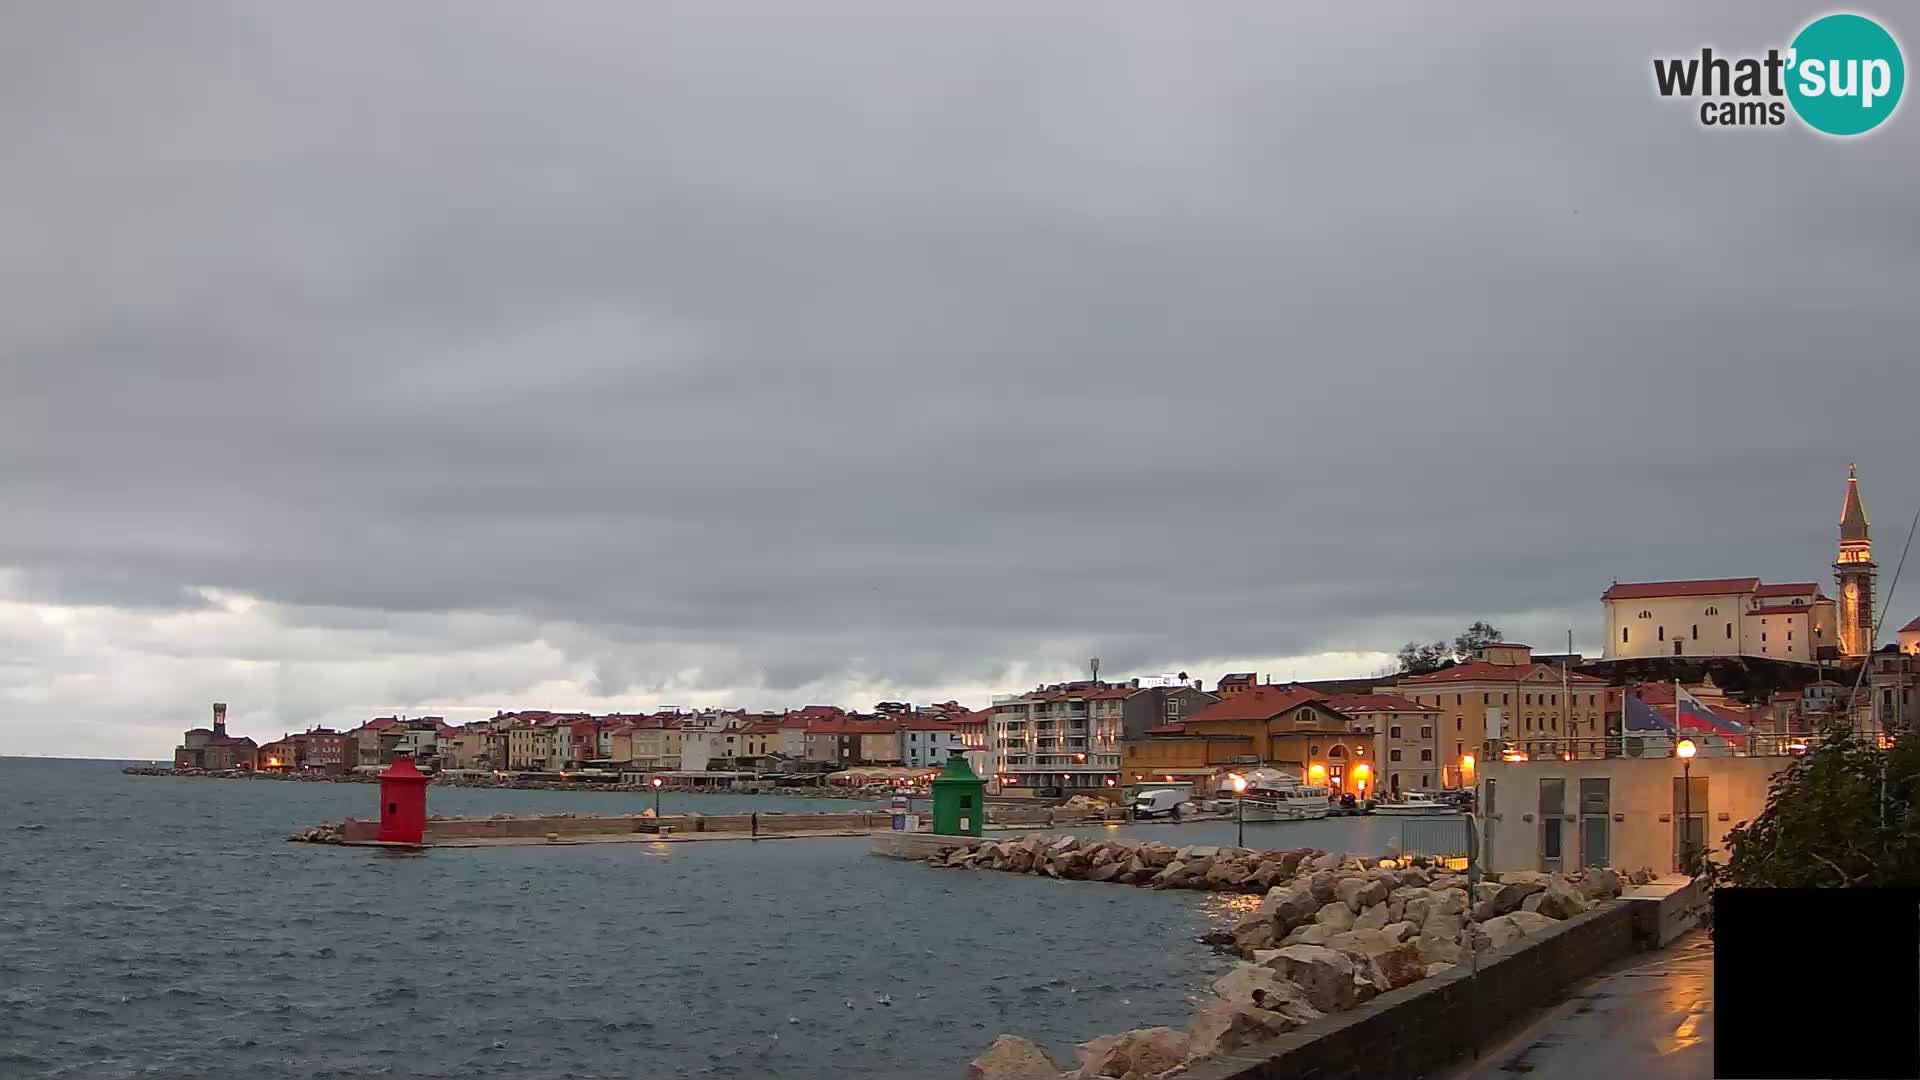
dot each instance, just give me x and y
(454, 357)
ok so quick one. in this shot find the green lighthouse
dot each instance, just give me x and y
(959, 799)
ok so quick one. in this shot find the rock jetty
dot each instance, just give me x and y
(1332, 931)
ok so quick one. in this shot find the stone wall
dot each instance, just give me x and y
(1418, 1028)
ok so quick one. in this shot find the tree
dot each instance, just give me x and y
(1845, 815)
(1418, 659)
(1476, 637)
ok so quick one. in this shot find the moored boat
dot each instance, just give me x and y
(1415, 804)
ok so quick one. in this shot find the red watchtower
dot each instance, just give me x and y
(403, 803)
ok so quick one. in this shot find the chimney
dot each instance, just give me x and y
(219, 719)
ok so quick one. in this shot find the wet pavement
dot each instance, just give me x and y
(1653, 1021)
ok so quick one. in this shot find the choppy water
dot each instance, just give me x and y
(163, 927)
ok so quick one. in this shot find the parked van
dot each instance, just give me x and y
(1160, 802)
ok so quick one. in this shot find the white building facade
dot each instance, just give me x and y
(1717, 617)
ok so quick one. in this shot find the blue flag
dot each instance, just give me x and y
(1641, 717)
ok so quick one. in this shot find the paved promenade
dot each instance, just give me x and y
(1653, 1021)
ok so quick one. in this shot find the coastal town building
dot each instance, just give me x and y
(1893, 674)
(1503, 694)
(318, 750)
(1909, 638)
(1053, 738)
(1406, 738)
(972, 727)
(928, 742)
(1558, 814)
(1283, 726)
(1717, 617)
(212, 748)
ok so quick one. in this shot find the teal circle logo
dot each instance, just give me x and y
(1845, 74)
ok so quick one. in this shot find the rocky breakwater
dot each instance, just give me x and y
(1332, 931)
(317, 834)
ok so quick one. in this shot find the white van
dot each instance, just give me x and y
(1160, 802)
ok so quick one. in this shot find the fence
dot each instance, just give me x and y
(1656, 744)
(1443, 837)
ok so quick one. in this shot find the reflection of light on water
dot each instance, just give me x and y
(1229, 905)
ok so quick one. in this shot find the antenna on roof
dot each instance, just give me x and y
(1095, 665)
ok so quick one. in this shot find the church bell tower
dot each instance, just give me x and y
(1853, 570)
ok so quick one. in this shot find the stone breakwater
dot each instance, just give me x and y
(1332, 931)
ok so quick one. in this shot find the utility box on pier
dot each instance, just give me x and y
(403, 803)
(959, 799)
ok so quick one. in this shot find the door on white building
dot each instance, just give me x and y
(1553, 809)
(1596, 817)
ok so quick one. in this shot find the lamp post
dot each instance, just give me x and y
(657, 785)
(1685, 749)
(1239, 810)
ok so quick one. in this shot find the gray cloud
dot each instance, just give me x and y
(777, 355)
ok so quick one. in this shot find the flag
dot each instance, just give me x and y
(1692, 715)
(1640, 717)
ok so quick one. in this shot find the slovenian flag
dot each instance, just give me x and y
(1639, 716)
(1692, 715)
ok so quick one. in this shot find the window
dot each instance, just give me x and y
(1423, 779)
(1763, 635)
(1555, 701)
(1713, 611)
(1789, 635)
(1529, 723)
(1529, 699)
(1459, 699)
(1426, 755)
(1646, 614)
(1393, 754)
(1696, 631)
(1426, 732)
(1459, 749)
(1456, 723)
(1623, 635)
(1729, 631)
(1486, 699)
(1393, 732)
(1503, 699)
(1663, 633)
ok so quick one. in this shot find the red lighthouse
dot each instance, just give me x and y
(403, 803)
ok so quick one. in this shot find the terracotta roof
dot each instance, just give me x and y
(1794, 589)
(854, 727)
(927, 723)
(1168, 729)
(1481, 671)
(1114, 693)
(762, 728)
(1508, 645)
(584, 727)
(1911, 627)
(1647, 590)
(1360, 703)
(1257, 703)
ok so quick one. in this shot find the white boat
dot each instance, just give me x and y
(1285, 802)
(1415, 805)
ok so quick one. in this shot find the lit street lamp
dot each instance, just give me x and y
(1239, 810)
(1684, 748)
(657, 785)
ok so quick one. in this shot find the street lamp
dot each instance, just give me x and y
(657, 785)
(1239, 810)
(1685, 749)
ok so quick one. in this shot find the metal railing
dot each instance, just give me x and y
(1652, 745)
(1440, 838)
